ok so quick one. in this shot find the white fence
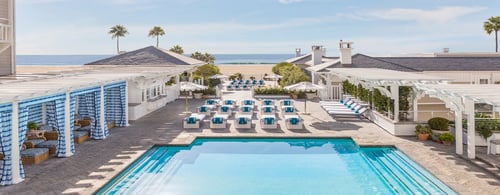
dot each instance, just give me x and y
(333, 92)
(5, 33)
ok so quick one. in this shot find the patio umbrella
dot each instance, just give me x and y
(218, 76)
(304, 86)
(274, 77)
(188, 86)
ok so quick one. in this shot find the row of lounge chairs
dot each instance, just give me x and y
(244, 85)
(346, 107)
(244, 114)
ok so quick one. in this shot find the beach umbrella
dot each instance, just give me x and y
(304, 86)
(274, 77)
(188, 86)
(219, 76)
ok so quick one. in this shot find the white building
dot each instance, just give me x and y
(7, 37)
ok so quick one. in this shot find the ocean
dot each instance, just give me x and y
(68, 60)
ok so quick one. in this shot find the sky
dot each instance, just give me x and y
(377, 27)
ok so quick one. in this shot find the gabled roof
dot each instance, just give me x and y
(301, 59)
(364, 61)
(447, 63)
(148, 56)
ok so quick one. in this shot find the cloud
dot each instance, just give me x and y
(441, 15)
(289, 1)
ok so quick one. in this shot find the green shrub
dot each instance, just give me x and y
(32, 125)
(422, 129)
(438, 123)
(447, 137)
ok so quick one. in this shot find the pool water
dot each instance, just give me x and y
(274, 166)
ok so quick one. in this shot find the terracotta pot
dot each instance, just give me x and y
(423, 137)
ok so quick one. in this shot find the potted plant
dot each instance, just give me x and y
(294, 95)
(32, 125)
(447, 138)
(197, 94)
(438, 126)
(422, 132)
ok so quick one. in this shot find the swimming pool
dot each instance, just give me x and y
(274, 166)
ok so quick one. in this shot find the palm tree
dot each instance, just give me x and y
(156, 31)
(117, 32)
(177, 49)
(493, 24)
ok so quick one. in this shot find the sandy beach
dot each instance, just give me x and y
(248, 70)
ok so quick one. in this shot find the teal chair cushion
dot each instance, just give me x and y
(246, 109)
(203, 109)
(217, 120)
(248, 102)
(294, 121)
(287, 102)
(242, 121)
(191, 120)
(228, 102)
(268, 121)
(268, 109)
(268, 102)
(210, 102)
(289, 109)
(224, 108)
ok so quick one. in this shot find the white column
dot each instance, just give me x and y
(101, 118)
(329, 89)
(67, 125)
(16, 153)
(313, 77)
(126, 104)
(12, 22)
(458, 132)
(395, 96)
(471, 131)
(415, 107)
(44, 113)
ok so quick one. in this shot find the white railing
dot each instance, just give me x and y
(5, 33)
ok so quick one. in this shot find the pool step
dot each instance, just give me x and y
(402, 174)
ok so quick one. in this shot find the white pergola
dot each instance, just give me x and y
(461, 99)
(374, 78)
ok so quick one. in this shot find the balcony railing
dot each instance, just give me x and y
(5, 35)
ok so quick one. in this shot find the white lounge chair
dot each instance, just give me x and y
(268, 110)
(211, 102)
(243, 122)
(246, 110)
(286, 102)
(225, 109)
(218, 121)
(203, 109)
(349, 113)
(247, 102)
(267, 102)
(288, 110)
(294, 122)
(268, 122)
(193, 121)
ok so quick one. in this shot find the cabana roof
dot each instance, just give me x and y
(384, 76)
(42, 85)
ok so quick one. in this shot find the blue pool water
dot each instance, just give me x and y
(274, 166)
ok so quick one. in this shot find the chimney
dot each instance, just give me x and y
(446, 50)
(317, 54)
(345, 52)
(297, 52)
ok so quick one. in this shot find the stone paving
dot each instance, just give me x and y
(96, 162)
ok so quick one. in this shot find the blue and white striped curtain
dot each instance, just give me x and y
(123, 96)
(115, 108)
(6, 145)
(55, 113)
(23, 128)
(93, 101)
(35, 113)
(83, 110)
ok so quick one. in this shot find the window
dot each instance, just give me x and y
(148, 96)
(143, 92)
(483, 81)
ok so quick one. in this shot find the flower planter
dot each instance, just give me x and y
(423, 137)
(197, 95)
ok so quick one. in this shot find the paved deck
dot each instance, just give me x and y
(96, 162)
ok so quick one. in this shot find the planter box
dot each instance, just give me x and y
(271, 96)
(197, 95)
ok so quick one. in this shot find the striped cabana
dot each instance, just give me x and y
(114, 102)
(90, 101)
(5, 144)
(35, 113)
